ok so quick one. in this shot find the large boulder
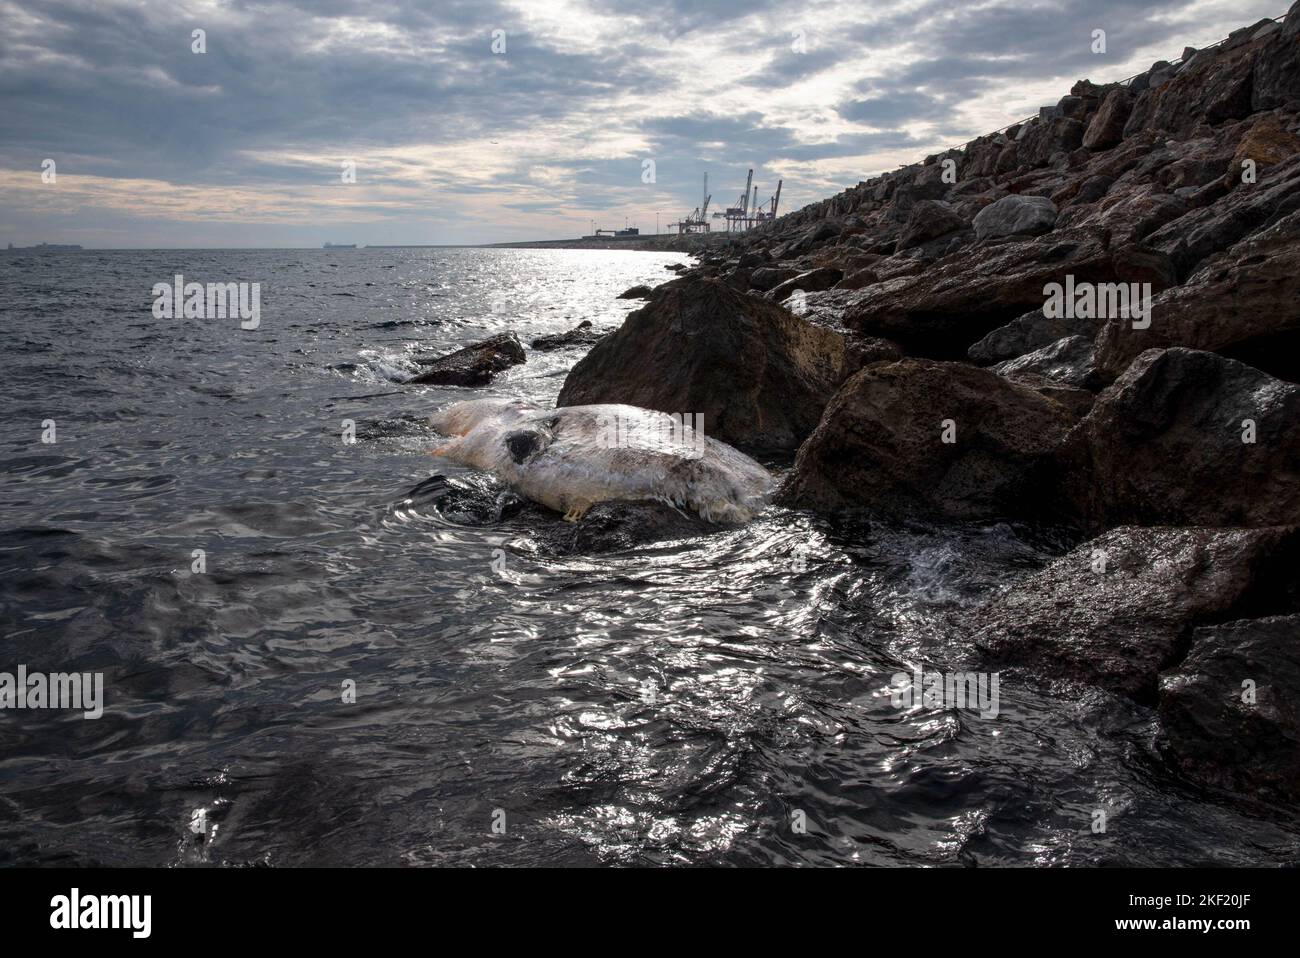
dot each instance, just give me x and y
(1107, 126)
(475, 365)
(617, 526)
(918, 436)
(1242, 302)
(928, 220)
(759, 375)
(941, 310)
(1116, 611)
(1048, 137)
(769, 277)
(1267, 143)
(1016, 214)
(1230, 711)
(1186, 437)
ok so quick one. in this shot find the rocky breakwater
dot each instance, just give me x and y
(1090, 318)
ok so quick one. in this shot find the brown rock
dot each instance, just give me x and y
(880, 444)
(1166, 443)
(1267, 142)
(1115, 611)
(475, 365)
(1107, 126)
(942, 310)
(1242, 302)
(759, 375)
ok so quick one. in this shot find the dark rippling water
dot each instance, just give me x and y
(676, 704)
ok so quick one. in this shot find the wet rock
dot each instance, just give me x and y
(475, 365)
(759, 375)
(584, 334)
(1029, 215)
(883, 444)
(1186, 437)
(1117, 610)
(1068, 361)
(637, 292)
(1220, 732)
(617, 526)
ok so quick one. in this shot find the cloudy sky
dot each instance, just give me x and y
(455, 142)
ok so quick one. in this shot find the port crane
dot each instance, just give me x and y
(698, 221)
(747, 213)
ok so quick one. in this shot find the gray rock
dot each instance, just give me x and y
(1016, 214)
(1068, 361)
(1028, 333)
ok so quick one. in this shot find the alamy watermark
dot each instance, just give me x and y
(75, 911)
(977, 691)
(179, 299)
(57, 690)
(1099, 301)
(681, 434)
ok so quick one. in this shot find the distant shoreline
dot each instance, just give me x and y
(664, 242)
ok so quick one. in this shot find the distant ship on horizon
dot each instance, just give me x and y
(45, 246)
(340, 246)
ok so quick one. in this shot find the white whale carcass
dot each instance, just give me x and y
(573, 457)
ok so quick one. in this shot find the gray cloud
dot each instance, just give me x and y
(113, 90)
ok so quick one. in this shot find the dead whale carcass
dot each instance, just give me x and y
(573, 457)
